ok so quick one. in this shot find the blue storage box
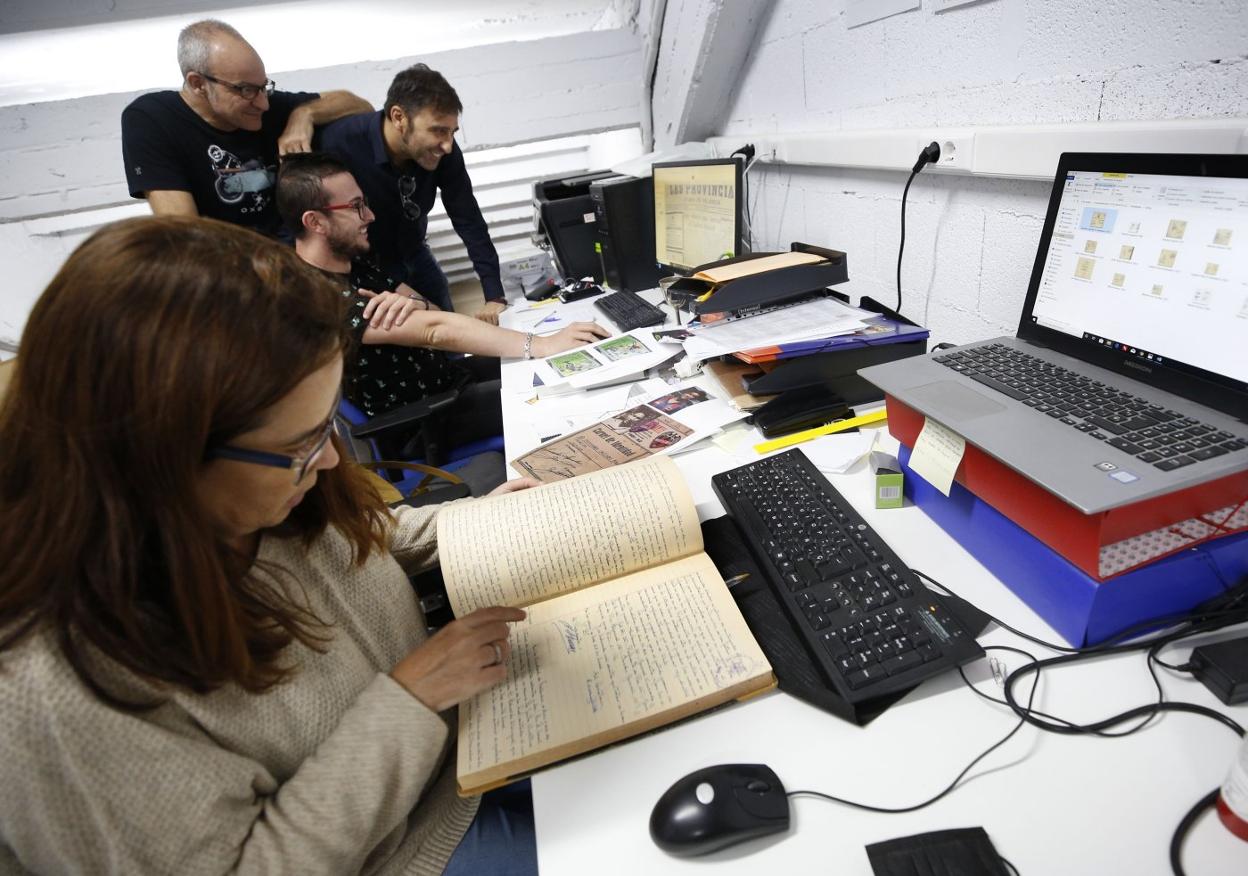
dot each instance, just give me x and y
(1085, 611)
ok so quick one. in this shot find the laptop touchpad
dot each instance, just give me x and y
(954, 400)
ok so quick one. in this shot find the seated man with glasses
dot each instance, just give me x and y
(402, 158)
(211, 149)
(399, 335)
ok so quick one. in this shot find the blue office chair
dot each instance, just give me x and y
(470, 469)
(419, 469)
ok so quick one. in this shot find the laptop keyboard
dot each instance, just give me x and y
(1154, 434)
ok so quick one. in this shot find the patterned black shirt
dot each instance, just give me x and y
(380, 377)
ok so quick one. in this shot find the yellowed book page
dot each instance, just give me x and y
(523, 547)
(603, 664)
(757, 266)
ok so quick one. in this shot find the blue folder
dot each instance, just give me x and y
(881, 331)
(1085, 611)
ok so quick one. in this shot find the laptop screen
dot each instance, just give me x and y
(1151, 266)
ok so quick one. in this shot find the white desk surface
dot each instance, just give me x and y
(1051, 804)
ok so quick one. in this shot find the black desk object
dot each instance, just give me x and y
(846, 625)
(629, 311)
(769, 287)
(837, 369)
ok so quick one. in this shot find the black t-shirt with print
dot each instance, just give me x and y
(380, 377)
(230, 174)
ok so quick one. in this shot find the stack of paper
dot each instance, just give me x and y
(819, 318)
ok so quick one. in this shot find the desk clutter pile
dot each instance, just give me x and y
(765, 339)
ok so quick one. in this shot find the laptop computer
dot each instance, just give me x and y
(1128, 378)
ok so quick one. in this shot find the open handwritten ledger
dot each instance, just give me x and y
(630, 626)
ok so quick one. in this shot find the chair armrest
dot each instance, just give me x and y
(423, 493)
(405, 416)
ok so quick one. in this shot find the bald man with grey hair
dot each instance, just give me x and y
(196, 40)
(212, 147)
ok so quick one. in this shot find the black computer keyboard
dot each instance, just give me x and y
(628, 310)
(868, 623)
(1151, 432)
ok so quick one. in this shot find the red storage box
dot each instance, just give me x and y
(1101, 545)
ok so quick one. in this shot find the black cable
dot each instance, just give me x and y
(1191, 623)
(1181, 667)
(929, 153)
(1070, 728)
(958, 778)
(1149, 712)
(1180, 832)
(992, 699)
(1007, 863)
(901, 247)
(1233, 614)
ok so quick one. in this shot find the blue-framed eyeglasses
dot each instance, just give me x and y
(298, 464)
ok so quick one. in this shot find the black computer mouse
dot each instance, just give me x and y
(717, 807)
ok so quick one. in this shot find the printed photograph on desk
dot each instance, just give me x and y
(623, 347)
(630, 435)
(576, 362)
(613, 360)
(680, 399)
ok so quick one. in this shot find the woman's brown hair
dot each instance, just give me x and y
(159, 338)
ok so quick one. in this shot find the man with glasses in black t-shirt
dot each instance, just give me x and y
(211, 149)
(402, 157)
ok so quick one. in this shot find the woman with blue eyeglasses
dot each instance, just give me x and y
(211, 659)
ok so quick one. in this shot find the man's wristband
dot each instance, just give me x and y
(528, 346)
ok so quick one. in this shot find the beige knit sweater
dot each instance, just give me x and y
(340, 770)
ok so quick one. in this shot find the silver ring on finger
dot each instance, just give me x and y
(498, 653)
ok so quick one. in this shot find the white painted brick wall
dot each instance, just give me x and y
(65, 156)
(698, 63)
(970, 242)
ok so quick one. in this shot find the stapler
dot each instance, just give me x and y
(800, 409)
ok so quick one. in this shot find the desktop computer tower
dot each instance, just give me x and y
(624, 210)
(563, 214)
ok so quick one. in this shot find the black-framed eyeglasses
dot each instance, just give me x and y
(298, 464)
(245, 90)
(407, 197)
(359, 205)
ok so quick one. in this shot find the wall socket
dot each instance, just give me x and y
(957, 149)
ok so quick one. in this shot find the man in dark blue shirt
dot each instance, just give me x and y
(401, 157)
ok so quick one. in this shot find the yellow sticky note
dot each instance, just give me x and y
(936, 455)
